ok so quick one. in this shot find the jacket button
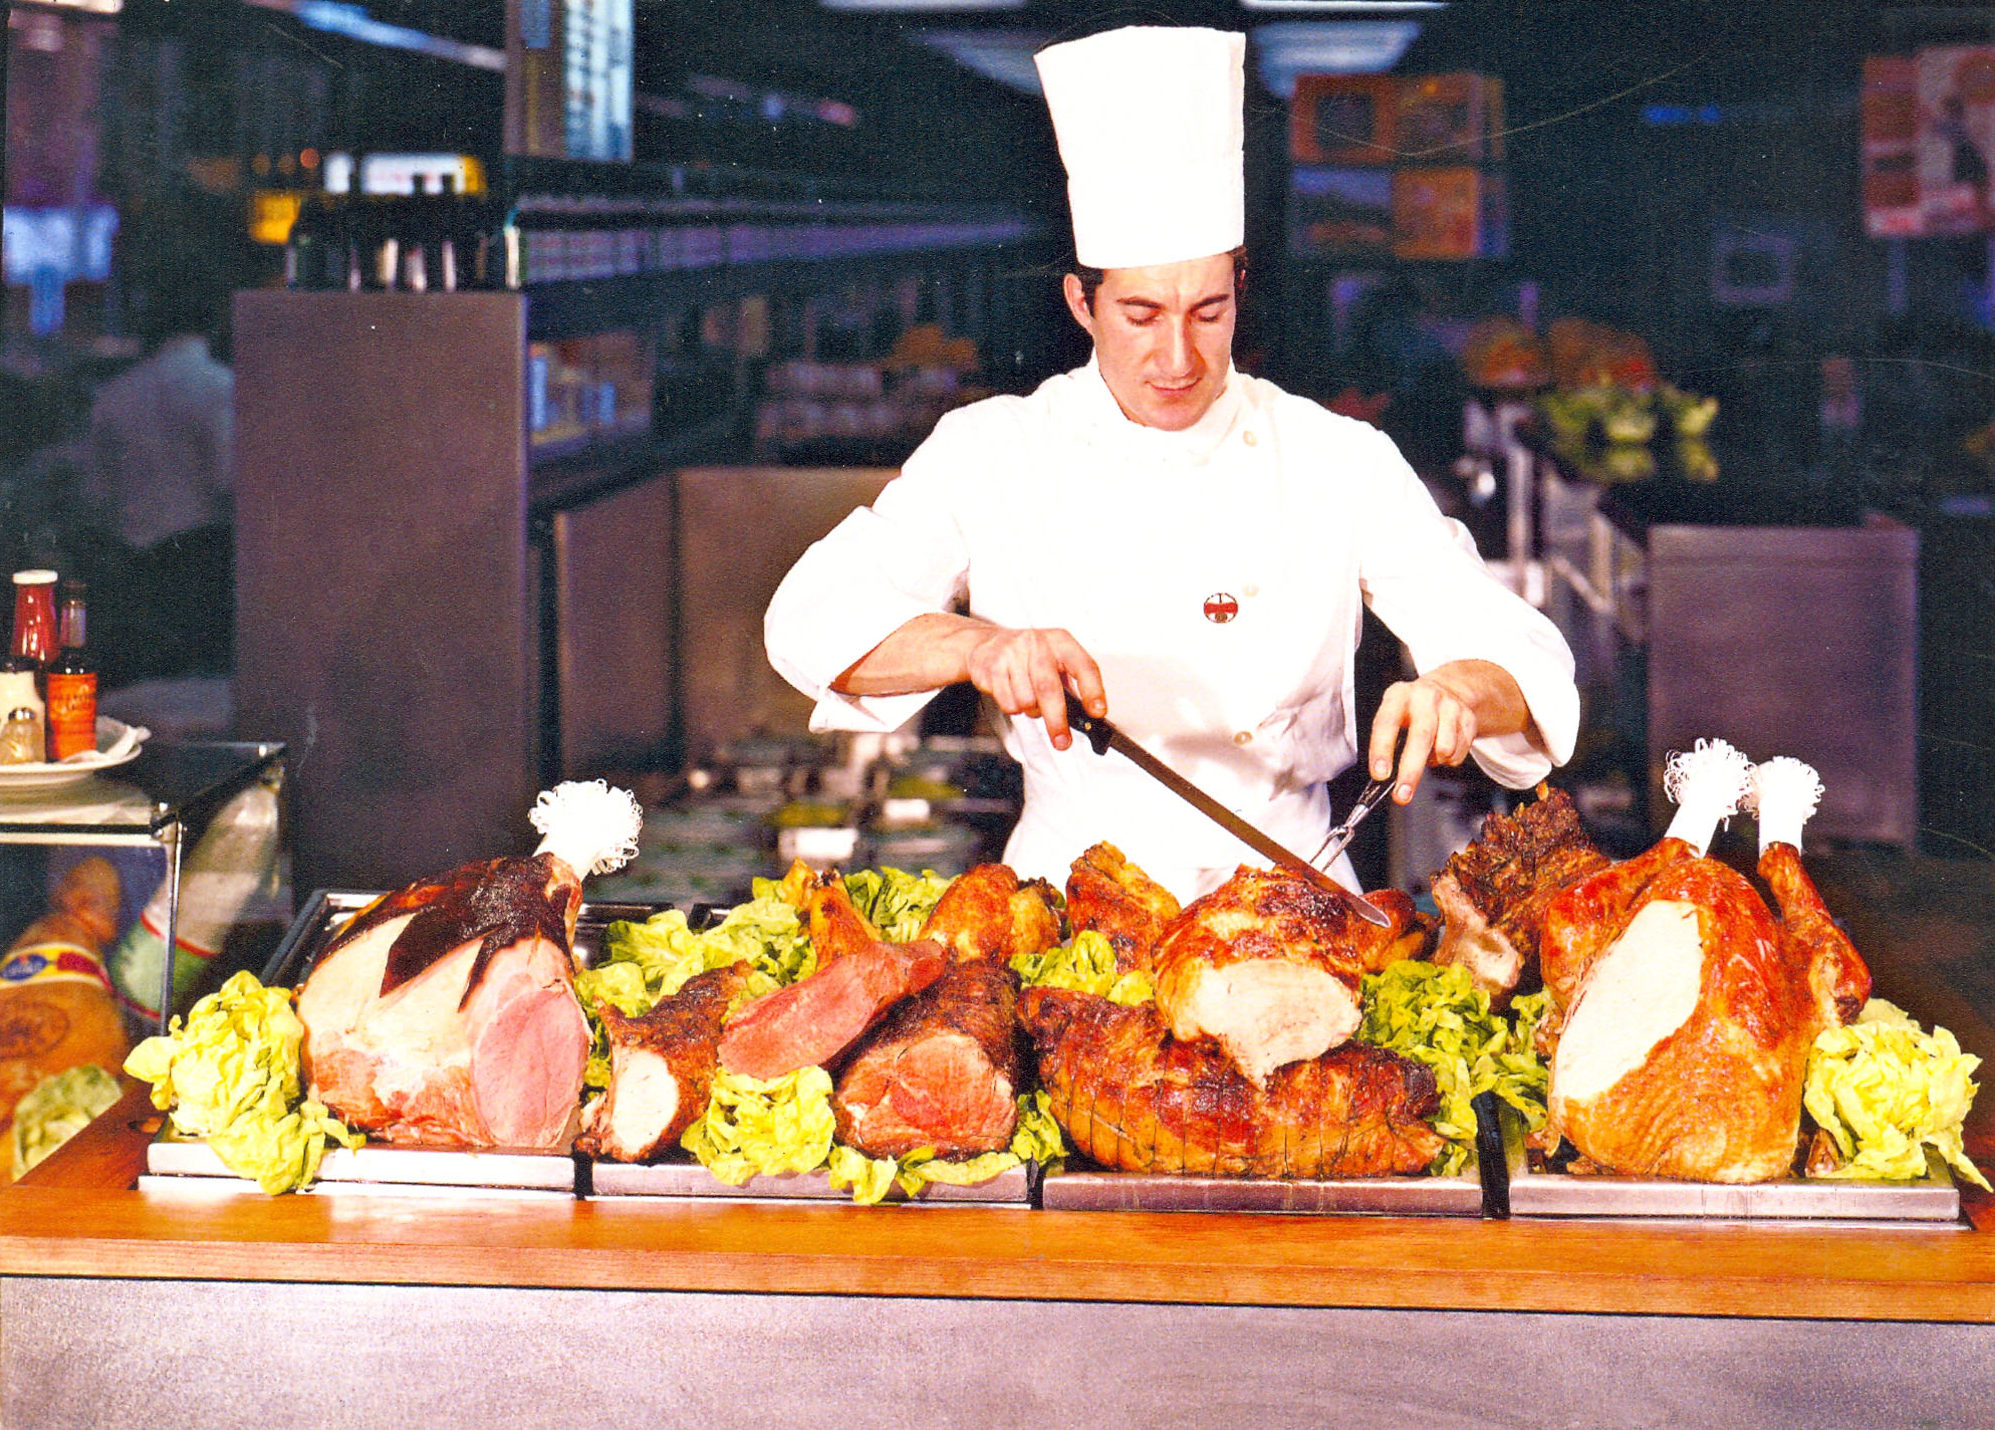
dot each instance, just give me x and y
(1245, 737)
(1250, 439)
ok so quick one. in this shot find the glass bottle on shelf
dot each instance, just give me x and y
(23, 713)
(72, 683)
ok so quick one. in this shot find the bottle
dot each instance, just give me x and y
(72, 683)
(23, 713)
(34, 616)
(230, 863)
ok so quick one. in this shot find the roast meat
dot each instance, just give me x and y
(941, 1071)
(816, 1019)
(661, 1068)
(1135, 1099)
(1493, 895)
(445, 1013)
(1269, 964)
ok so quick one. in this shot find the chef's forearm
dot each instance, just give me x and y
(927, 653)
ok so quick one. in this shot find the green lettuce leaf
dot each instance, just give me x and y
(1087, 965)
(1437, 1016)
(229, 1072)
(1886, 1090)
(753, 1128)
(894, 902)
(56, 1109)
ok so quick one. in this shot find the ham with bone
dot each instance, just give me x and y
(1683, 1008)
(444, 1013)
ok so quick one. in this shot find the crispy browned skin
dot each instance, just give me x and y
(1273, 914)
(1841, 977)
(495, 902)
(942, 1071)
(836, 927)
(1135, 1099)
(1719, 1098)
(987, 913)
(1110, 895)
(1494, 894)
(684, 1031)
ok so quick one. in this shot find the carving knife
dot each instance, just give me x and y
(1104, 737)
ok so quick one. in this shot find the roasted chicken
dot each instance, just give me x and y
(987, 913)
(1111, 896)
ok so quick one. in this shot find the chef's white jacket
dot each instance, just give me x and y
(1215, 575)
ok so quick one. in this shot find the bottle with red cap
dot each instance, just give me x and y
(23, 713)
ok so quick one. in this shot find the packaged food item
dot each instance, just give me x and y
(56, 1009)
(229, 864)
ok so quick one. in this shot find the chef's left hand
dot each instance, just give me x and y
(1442, 713)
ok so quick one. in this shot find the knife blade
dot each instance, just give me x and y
(1104, 736)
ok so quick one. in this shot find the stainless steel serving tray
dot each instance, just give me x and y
(1093, 1191)
(674, 1181)
(1933, 1201)
(192, 1165)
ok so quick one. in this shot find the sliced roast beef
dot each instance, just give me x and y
(941, 1071)
(816, 1019)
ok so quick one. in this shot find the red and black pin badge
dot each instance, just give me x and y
(1221, 607)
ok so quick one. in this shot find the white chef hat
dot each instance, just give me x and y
(1149, 124)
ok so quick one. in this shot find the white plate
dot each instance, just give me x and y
(42, 776)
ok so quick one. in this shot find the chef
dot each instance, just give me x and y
(1185, 548)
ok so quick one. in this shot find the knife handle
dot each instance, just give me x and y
(1098, 732)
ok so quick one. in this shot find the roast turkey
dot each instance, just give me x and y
(1135, 1099)
(445, 1013)
(1683, 1008)
(1270, 964)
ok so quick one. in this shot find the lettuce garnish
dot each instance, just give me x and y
(1087, 965)
(1437, 1016)
(1885, 1091)
(229, 1072)
(893, 901)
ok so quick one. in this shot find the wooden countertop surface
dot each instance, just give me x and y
(75, 1216)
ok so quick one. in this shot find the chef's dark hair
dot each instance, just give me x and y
(1091, 277)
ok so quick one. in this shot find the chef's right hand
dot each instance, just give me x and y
(1028, 672)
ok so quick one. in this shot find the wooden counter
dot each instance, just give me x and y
(392, 1308)
(74, 1217)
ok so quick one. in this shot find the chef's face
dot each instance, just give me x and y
(1163, 336)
